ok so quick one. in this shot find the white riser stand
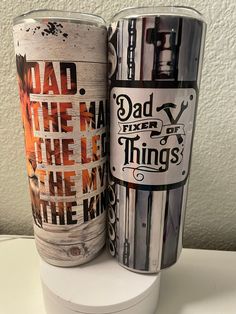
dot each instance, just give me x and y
(99, 287)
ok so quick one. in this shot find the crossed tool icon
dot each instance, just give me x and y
(167, 108)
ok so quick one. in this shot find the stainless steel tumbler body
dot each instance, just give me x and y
(61, 60)
(155, 57)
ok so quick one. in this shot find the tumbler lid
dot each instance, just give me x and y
(65, 16)
(136, 12)
(101, 286)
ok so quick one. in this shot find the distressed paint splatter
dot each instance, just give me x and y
(51, 28)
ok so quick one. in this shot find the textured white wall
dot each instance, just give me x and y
(211, 210)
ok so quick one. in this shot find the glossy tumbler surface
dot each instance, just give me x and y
(61, 60)
(155, 57)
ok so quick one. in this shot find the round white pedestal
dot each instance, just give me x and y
(101, 286)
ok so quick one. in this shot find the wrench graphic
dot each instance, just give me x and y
(166, 107)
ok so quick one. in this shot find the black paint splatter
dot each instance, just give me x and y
(52, 29)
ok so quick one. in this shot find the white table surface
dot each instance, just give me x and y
(202, 281)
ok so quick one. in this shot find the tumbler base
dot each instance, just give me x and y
(70, 254)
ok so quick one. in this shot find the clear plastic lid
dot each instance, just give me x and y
(135, 12)
(66, 16)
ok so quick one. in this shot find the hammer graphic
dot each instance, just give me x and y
(166, 107)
